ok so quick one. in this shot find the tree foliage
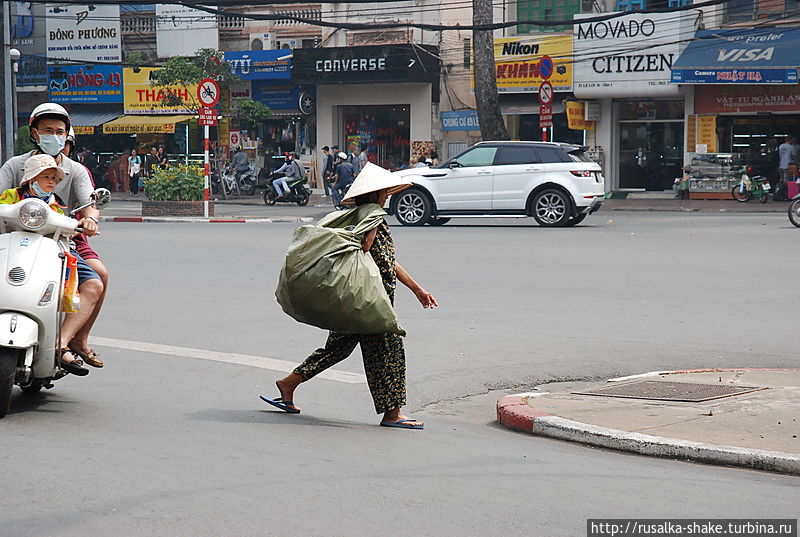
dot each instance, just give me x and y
(180, 71)
(250, 110)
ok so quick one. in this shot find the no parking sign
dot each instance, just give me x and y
(234, 138)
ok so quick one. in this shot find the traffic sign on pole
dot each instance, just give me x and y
(207, 116)
(208, 92)
(545, 92)
(545, 115)
(546, 67)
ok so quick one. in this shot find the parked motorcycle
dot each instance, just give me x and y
(751, 187)
(298, 192)
(34, 251)
(246, 184)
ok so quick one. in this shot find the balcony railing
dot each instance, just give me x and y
(312, 14)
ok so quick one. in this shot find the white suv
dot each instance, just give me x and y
(555, 183)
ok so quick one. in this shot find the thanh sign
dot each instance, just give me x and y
(524, 62)
(139, 97)
(84, 32)
(611, 61)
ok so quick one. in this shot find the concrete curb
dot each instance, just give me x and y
(514, 412)
(201, 220)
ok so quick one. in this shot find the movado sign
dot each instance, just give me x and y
(637, 72)
(370, 64)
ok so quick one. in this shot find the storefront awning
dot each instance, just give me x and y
(85, 122)
(144, 124)
(744, 56)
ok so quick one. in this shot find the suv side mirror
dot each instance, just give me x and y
(454, 164)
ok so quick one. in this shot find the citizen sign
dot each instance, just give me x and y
(351, 64)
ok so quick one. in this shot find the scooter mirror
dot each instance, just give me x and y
(102, 196)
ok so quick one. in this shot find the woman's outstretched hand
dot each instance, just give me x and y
(425, 298)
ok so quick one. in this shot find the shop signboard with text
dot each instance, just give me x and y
(85, 84)
(276, 95)
(28, 35)
(460, 120)
(611, 61)
(576, 116)
(520, 67)
(84, 32)
(742, 56)
(364, 65)
(751, 98)
(139, 97)
(260, 64)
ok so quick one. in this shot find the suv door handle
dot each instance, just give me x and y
(533, 169)
(484, 173)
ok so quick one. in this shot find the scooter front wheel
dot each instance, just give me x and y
(248, 187)
(739, 196)
(794, 213)
(8, 370)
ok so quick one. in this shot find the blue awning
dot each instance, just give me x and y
(744, 56)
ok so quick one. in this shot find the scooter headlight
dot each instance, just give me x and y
(33, 214)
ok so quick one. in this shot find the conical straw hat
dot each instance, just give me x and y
(373, 178)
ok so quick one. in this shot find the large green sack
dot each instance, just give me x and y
(328, 281)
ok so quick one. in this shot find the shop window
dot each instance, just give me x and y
(518, 154)
(554, 10)
(478, 156)
(384, 131)
(644, 110)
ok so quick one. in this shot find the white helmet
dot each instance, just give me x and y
(342, 155)
(49, 110)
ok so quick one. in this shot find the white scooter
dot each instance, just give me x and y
(34, 243)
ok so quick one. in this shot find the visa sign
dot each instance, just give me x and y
(745, 54)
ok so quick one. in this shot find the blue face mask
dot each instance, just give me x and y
(40, 193)
(51, 144)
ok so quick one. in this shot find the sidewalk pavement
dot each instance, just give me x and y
(703, 206)
(759, 429)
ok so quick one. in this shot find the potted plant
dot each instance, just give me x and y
(175, 191)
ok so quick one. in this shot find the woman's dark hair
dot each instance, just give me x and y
(369, 197)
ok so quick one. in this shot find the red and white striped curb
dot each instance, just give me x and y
(515, 412)
(201, 220)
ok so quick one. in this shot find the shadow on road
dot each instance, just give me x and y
(274, 417)
(22, 402)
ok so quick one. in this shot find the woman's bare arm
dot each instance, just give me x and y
(369, 238)
(425, 298)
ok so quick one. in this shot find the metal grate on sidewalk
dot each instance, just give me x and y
(657, 390)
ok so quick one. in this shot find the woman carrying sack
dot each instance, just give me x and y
(384, 356)
(134, 170)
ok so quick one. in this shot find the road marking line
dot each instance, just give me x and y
(226, 357)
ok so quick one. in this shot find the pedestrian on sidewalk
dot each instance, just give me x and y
(327, 170)
(134, 170)
(343, 176)
(787, 153)
(384, 355)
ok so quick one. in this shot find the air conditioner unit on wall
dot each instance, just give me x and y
(288, 42)
(264, 41)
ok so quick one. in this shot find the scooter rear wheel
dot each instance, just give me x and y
(302, 197)
(269, 197)
(8, 370)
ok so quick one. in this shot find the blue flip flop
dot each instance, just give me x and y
(280, 403)
(401, 424)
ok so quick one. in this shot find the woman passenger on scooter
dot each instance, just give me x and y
(41, 175)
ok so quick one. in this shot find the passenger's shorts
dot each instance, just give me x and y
(82, 246)
(85, 272)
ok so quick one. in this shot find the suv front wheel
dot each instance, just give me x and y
(412, 207)
(551, 208)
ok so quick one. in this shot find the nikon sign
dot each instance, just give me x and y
(611, 62)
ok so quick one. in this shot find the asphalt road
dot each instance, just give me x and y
(172, 440)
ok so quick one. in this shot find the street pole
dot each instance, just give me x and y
(486, 99)
(8, 105)
(15, 55)
(206, 168)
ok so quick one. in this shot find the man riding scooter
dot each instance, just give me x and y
(49, 125)
(291, 171)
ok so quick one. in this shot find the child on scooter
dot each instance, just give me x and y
(40, 177)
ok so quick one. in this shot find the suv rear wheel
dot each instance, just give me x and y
(551, 208)
(412, 207)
